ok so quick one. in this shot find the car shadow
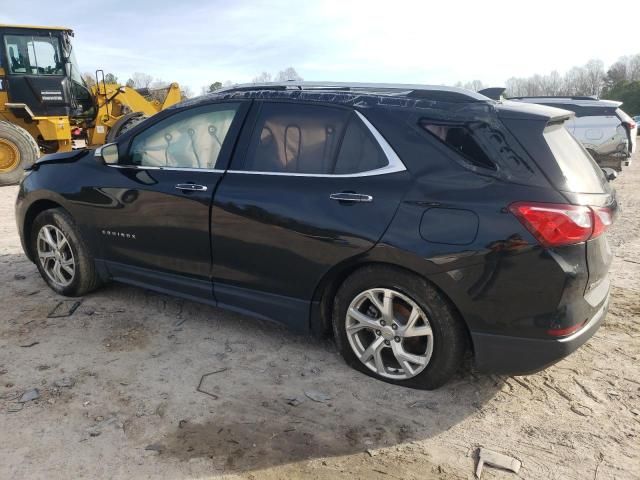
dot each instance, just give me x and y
(275, 397)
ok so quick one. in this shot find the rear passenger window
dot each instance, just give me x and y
(359, 151)
(292, 138)
(460, 139)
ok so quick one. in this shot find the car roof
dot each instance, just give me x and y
(391, 89)
(436, 102)
(351, 94)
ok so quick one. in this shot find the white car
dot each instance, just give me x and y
(603, 128)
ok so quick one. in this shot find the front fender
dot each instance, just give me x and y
(33, 197)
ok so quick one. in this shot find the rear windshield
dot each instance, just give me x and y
(581, 172)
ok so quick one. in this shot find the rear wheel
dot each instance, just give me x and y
(18, 150)
(61, 254)
(393, 325)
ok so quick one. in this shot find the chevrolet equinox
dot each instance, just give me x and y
(414, 223)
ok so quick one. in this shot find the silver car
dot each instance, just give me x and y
(605, 130)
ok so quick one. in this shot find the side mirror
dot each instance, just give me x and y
(107, 153)
(610, 174)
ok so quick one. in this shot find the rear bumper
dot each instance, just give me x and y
(509, 355)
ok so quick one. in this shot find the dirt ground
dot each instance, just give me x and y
(139, 385)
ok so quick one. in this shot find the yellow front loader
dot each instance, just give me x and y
(45, 104)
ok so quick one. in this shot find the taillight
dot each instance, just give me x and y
(556, 224)
(602, 219)
(563, 332)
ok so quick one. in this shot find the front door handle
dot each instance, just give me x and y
(191, 187)
(351, 197)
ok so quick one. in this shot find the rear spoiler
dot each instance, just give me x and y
(494, 93)
(532, 111)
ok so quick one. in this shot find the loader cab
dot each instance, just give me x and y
(40, 75)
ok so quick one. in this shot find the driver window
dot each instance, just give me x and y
(189, 139)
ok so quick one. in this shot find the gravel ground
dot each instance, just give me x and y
(139, 385)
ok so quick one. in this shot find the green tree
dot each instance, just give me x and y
(215, 86)
(626, 92)
(110, 78)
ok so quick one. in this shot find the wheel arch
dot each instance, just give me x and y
(35, 209)
(322, 301)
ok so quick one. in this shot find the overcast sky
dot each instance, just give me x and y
(199, 42)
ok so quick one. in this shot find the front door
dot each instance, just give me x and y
(314, 188)
(156, 229)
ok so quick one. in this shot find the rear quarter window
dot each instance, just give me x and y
(460, 139)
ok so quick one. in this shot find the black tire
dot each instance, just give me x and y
(18, 150)
(85, 278)
(449, 335)
(123, 124)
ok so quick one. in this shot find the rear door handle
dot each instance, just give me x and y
(351, 197)
(191, 187)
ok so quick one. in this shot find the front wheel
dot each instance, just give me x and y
(61, 254)
(395, 326)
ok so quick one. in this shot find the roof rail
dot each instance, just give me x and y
(411, 90)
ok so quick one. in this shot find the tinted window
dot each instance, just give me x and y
(295, 138)
(581, 172)
(189, 139)
(460, 139)
(359, 151)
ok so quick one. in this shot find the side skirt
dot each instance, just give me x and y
(163, 282)
(293, 313)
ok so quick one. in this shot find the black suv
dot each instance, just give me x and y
(414, 223)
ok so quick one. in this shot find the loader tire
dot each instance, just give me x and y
(18, 150)
(124, 123)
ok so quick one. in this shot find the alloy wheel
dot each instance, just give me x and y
(56, 256)
(389, 333)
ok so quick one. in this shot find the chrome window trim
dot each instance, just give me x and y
(394, 165)
(174, 169)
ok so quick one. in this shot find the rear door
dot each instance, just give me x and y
(156, 227)
(314, 187)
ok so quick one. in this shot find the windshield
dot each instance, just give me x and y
(581, 172)
(34, 54)
(73, 70)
